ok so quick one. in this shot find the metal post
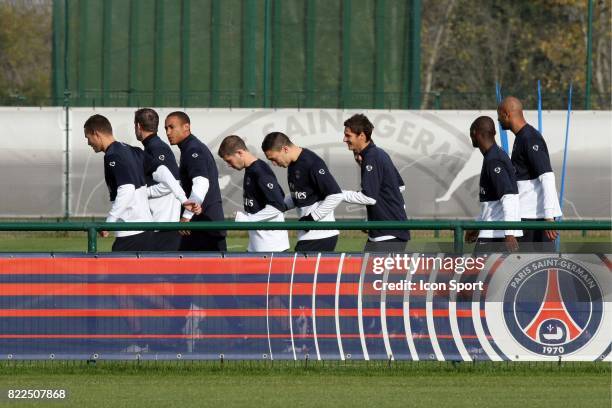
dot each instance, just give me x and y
(379, 60)
(185, 50)
(345, 78)
(107, 34)
(249, 53)
(92, 240)
(159, 62)
(215, 39)
(134, 57)
(84, 47)
(406, 61)
(66, 43)
(503, 134)
(67, 113)
(458, 239)
(67, 155)
(310, 22)
(589, 65)
(56, 54)
(277, 50)
(415, 54)
(266, 56)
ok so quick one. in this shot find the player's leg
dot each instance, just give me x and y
(317, 245)
(490, 246)
(166, 240)
(390, 245)
(133, 243)
(204, 241)
(535, 240)
(541, 242)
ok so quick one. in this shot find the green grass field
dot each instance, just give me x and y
(349, 241)
(284, 384)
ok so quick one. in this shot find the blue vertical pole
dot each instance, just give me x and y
(539, 108)
(503, 135)
(564, 168)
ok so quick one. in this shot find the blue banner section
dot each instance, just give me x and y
(321, 306)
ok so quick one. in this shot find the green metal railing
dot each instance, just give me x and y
(457, 226)
(296, 99)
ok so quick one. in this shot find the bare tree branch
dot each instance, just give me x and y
(433, 57)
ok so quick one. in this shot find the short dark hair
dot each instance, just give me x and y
(483, 125)
(181, 115)
(98, 123)
(147, 118)
(275, 141)
(360, 123)
(230, 145)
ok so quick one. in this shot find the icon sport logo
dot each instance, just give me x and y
(553, 306)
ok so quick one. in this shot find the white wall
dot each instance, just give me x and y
(431, 149)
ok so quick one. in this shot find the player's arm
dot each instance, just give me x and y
(274, 196)
(327, 206)
(507, 191)
(125, 195)
(511, 209)
(126, 187)
(199, 189)
(289, 203)
(537, 153)
(357, 197)
(326, 183)
(166, 182)
(198, 172)
(551, 202)
(164, 177)
(370, 185)
(267, 213)
(472, 235)
(125, 190)
(400, 180)
(158, 190)
(274, 200)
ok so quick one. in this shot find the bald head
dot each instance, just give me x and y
(510, 114)
(511, 104)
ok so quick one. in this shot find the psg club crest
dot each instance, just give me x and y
(553, 306)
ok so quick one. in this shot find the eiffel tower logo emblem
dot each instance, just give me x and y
(553, 324)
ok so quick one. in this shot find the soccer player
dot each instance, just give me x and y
(499, 200)
(200, 180)
(124, 176)
(380, 186)
(314, 191)
(263, 196)
(536, 180)
(161, 174)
